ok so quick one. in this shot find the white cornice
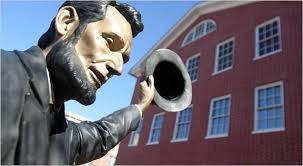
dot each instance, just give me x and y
(198, 10)
(74, 117)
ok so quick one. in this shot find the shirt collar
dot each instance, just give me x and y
(51, 98)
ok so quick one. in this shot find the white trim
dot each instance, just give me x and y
(215, 72)
(132, 145)
(204, 33)
(152, 143)
(179, 140)
(187, 61)
(221, 71)
(267, 55)
(174, 139)
(257, 56)
(208, 135)
(255, 130)
(268, 130)
(151, 129)
(216, 136)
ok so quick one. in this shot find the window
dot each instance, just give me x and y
(182, 125)
(202, 29)
(269, 111)
(190, 37)
(193, 66)
(218, 123)
(155, 131)
(134, 137)
(268, 38)
(224, 56)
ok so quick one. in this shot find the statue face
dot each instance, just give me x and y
(78, 70)
(104, 47)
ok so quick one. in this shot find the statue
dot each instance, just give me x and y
(86, 44)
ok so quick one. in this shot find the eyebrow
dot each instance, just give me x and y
(114, 35)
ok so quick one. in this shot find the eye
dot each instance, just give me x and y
(109, 41)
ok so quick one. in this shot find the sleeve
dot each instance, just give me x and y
(97, 138)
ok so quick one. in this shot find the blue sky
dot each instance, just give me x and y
(23, 22)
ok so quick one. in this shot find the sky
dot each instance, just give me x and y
(23, 22)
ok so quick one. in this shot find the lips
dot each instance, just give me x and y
(97, 76)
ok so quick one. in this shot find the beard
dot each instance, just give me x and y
(68, 75)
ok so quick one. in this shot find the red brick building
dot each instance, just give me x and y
(245, 62)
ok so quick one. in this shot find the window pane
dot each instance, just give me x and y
(183, 123)
(155, 135)
(212, 131)
(220, 116)
(279, 112)
(270, 101)
(262, 124)
(270, 109)
(268, 38)
(279, 122)
(224, 55)
(262, 115)
(199, 30)
(271, 113)
(271, 123)
(181, 131)
(261, 37)
(262, 93)
(261, 30)
(156, 128)
(192, 67)
(269, 92)
(210, 27)
(220, 129)
(261, 103)
(277, 90)
(277, 100)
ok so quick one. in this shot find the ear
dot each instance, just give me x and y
(67, 21)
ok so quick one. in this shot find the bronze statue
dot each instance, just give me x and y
(86, 43)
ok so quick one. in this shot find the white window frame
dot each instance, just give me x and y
(187, 63)
(185, 42)
(255, 130)
(174, 139)
(257, 56)
(152, 129)
(133, 133)
(208, 136)
(217, 56)
(193, 30)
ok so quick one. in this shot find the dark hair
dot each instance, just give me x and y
(92, 11)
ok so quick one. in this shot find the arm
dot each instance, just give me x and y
(97, 138)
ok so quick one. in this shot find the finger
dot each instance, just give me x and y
(151, 80)
(143, 84)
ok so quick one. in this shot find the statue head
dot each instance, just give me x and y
(87, 43)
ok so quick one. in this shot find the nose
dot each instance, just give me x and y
(116, 67)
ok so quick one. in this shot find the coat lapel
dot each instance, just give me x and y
(35, 64)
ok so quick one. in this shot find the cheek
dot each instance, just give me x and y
(86, 48)
(89, 46)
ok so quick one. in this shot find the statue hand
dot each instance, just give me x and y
(146, 93)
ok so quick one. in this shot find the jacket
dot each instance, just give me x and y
(32, 133)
